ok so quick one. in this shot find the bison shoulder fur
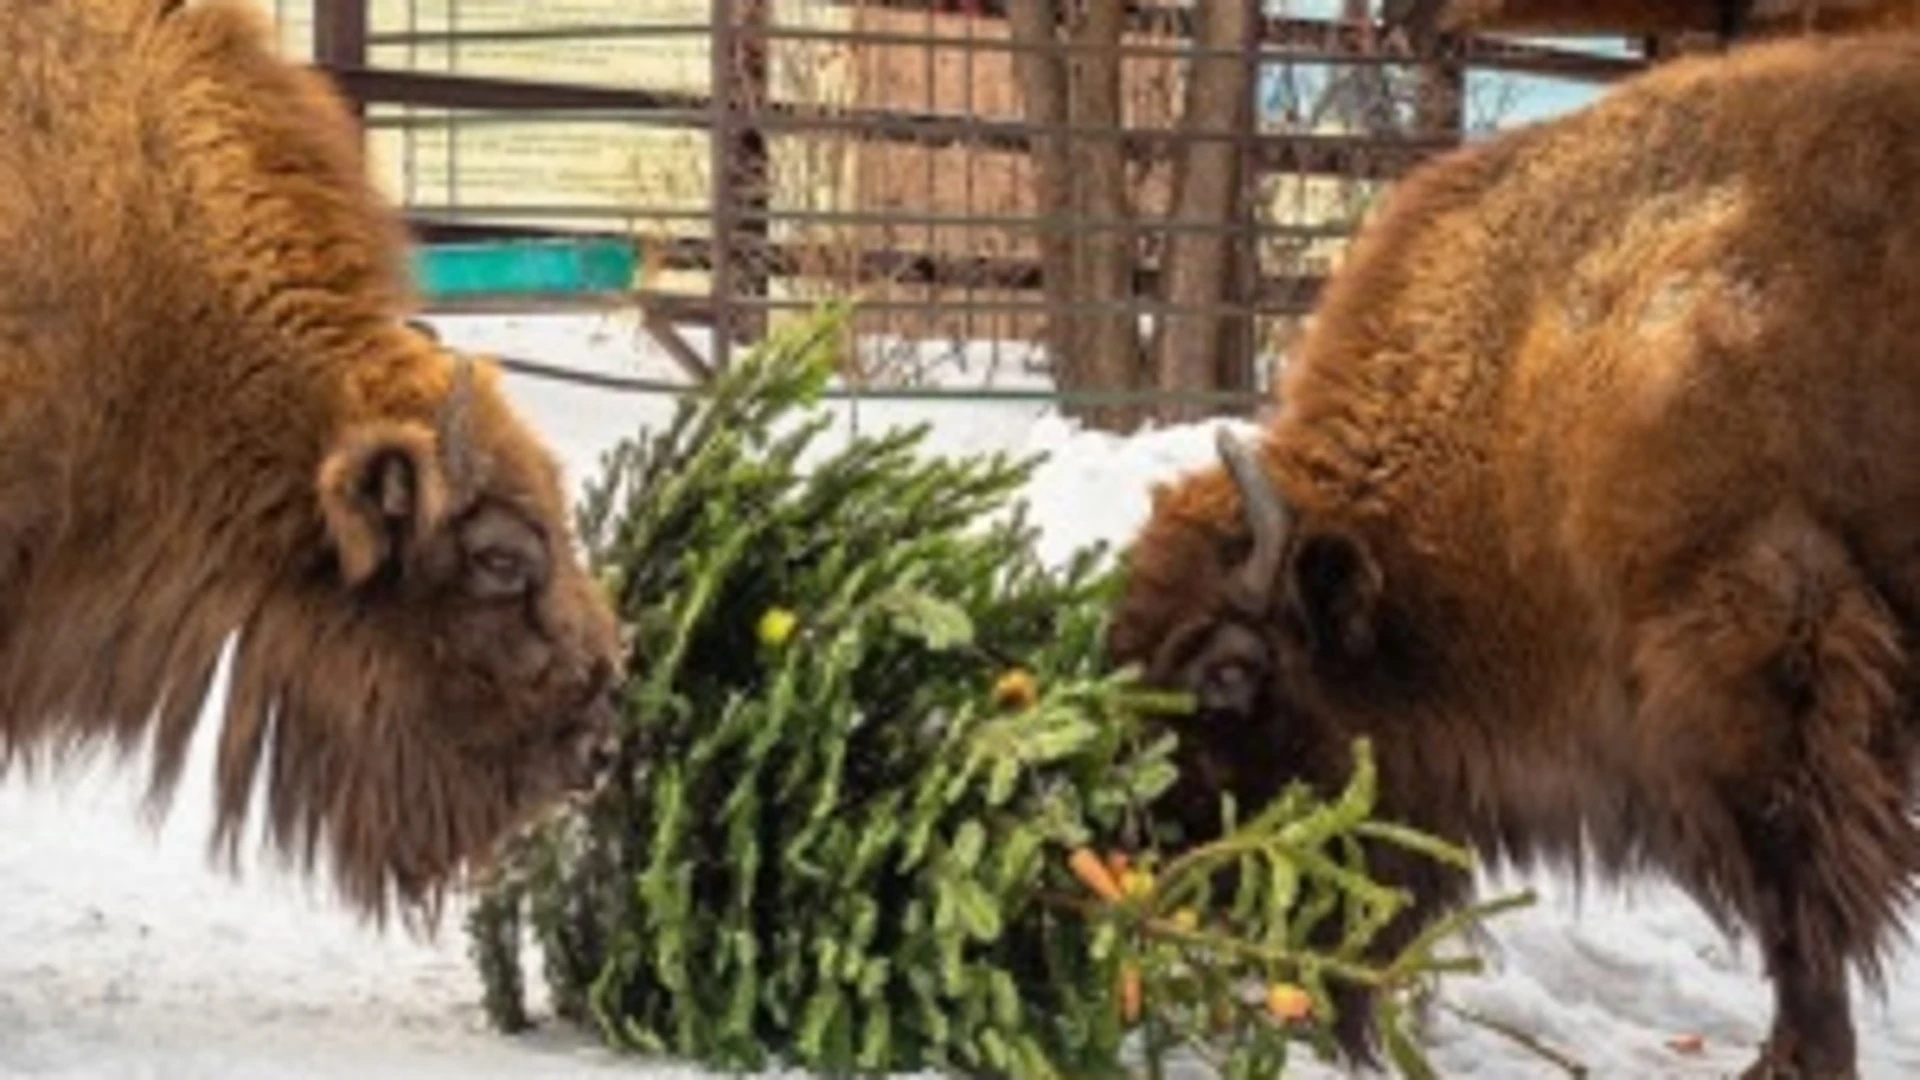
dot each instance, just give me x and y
(1592, 498)
(216, 425)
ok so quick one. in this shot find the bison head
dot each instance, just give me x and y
(1260, 619)
(446, 668)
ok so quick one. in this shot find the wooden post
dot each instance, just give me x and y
(739, 171)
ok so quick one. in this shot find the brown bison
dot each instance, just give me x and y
(214, 419)
(1594, 501)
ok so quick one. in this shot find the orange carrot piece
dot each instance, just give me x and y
(1093, 873)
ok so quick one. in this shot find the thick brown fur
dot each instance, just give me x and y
(213, 419)
(1603, 459)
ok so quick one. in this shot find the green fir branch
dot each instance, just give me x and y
(866, 728)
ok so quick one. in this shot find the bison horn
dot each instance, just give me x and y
(456, 428)
(1266, 517)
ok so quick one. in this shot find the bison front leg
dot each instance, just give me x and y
(1773, 710)
(1812, 1036)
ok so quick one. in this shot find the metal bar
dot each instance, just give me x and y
(428, 213)
(642, 385)
(508, 35)
(1285, 40)
(665, 334)
(829, 36)
(1352, 156)
(867, 125)
(898, 267)
(937, 270)
(432, 231)
(698, 309)
(1279, 289)
(387, 86)
(521, 101)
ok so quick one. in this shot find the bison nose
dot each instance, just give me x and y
(1228, 688)
(600, 755)
(604, 713)
(599, 741)
(593, 760)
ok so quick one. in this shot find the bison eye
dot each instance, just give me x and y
(498, 573)
(506, 556)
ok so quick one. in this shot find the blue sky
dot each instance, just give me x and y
(1538, 98)
(1535, 97)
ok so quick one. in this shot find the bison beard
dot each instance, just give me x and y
(1592, 502)
(214, 421)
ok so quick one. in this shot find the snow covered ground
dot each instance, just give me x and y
(122, 955)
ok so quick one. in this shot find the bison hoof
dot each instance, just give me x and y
(1772, 1066)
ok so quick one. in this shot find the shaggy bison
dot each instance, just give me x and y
(213, 419)
(1594, 500)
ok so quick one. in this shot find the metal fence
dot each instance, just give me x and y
(879, 149)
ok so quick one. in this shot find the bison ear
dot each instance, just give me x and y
(1334, 590)
(382, 490)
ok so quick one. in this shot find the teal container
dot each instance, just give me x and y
(521, 266)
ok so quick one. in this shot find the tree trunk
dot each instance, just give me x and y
(1440, 104)
(1086, 253)
(1107, 338)
(1235, 349)
(1199, 284)
(1041, 70)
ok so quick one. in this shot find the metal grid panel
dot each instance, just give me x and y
(880, 149)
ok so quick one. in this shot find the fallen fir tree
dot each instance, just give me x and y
(875, 779)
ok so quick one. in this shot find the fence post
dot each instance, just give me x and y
(720, 186)
(752, 163)
(1242, 349)
(340, 43)
(739, 171)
